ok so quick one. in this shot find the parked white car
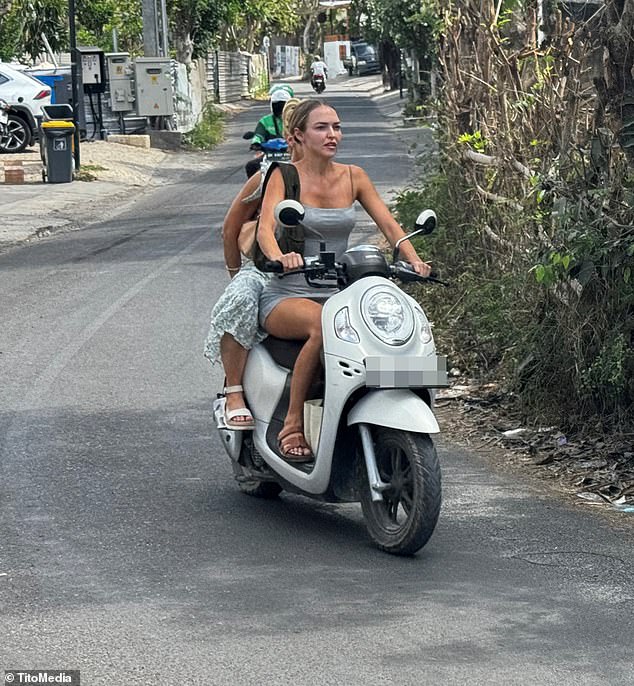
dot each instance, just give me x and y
(26, 95)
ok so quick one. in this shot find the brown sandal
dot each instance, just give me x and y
(293, 438)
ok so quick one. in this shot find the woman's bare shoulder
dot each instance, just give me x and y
(357, 171)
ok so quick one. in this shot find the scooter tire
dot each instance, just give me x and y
(267, 490)
(403, 522)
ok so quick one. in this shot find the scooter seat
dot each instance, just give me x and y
(282, 351)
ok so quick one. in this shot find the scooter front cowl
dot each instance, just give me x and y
(398, 408)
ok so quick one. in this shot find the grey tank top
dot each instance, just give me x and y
(330, 225)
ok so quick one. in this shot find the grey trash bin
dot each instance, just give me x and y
(57, 112)
(57, 151)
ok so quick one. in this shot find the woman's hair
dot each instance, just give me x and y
(299, 116)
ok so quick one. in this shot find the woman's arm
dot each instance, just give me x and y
(266, 227)
(372, 203)
(239, 213)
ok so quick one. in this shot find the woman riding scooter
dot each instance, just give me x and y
(289, 308)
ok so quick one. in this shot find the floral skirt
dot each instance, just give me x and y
(236, 312)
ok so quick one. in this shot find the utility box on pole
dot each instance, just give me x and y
(154, 91)
(93, 71)
(120, 78)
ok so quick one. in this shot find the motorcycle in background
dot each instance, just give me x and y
(318, 82)
(273, 150)
(4, 124)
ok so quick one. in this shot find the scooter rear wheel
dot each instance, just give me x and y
(247, 483)
(254, 487)
(405, 519)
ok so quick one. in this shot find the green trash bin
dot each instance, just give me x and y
(57, 151)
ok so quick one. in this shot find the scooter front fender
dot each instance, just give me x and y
(397, 408)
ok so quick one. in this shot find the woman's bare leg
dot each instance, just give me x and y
(234, 360)
(298, 319)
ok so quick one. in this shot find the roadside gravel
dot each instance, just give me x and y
(111, 176)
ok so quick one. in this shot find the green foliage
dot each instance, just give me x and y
(409, 24)
(10, 45)
(247, 21)
(611, 372)
(195, 24)
(479, 318)
(24, 22)
(209, 130)
(475, 141)
(96, 20)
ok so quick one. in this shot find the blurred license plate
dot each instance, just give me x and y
(406, 372)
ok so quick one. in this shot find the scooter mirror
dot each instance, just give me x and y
(248, 135)
(425, 224)
(289, 212)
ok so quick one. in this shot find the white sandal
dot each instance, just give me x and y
(240, 412)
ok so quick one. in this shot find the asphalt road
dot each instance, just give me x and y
(126, 550)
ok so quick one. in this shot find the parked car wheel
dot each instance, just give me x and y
(17, 136)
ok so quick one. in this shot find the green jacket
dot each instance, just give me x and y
(268, 127)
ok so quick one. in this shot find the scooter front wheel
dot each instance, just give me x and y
(404, 520)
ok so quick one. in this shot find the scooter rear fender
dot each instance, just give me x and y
(397, 408)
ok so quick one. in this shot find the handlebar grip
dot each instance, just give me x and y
(273, 266)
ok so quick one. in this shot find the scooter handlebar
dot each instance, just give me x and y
(404, 272)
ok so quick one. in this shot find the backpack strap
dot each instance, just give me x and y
(290, 238)
(291, 181)
(289, 175)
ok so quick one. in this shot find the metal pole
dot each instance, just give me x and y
(150, 29)
(400, 73)
(48, 49)
(164, 27)
(115, 40)
(74, 79)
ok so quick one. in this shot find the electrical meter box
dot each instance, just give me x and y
(93, 69)
(154, 91)
(120, 79)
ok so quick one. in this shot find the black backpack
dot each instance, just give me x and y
(289, 238)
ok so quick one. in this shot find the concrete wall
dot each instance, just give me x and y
(190, 93)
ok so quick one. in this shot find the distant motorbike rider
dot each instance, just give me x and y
(271, 125)
(318, 68)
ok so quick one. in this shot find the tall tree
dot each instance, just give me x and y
(194, 26)
(23, 21)
(247, 21)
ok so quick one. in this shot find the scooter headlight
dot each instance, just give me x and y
(388, 316)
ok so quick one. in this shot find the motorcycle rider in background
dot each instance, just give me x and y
(318, 68)
(271, 125)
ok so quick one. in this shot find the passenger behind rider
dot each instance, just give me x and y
(270, 125)
(288, 307)
(234, 319)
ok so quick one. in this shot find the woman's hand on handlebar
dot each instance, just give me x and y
(420, 267)
(291, 260)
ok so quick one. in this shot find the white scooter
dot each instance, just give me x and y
(372, 439)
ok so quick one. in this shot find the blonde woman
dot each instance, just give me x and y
(289, 307)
